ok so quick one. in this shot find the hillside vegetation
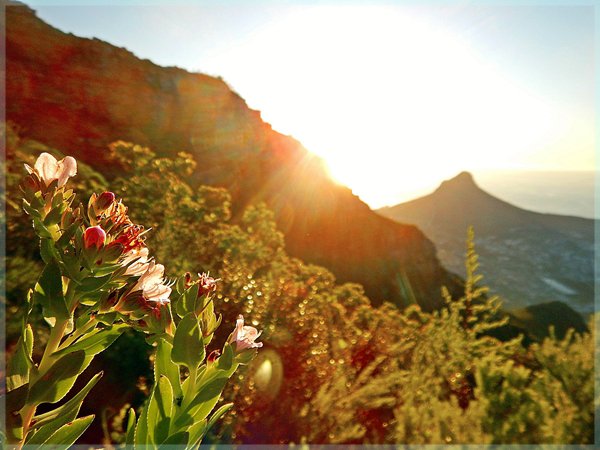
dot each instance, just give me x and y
(334, 368)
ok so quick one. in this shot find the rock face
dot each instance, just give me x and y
(526, 257)
(78, 95)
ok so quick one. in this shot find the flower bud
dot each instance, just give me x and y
(134, 305)
(94, 237)
(159, 320)
(212, 356)
(30, 185)
(206, 284)
(188, 280)
(103, 202)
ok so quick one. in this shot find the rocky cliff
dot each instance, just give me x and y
(78, 95)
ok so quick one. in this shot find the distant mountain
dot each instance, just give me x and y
(78, 95)
(526, 257)
(566, 192)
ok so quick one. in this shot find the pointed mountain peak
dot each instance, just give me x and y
(464, 181)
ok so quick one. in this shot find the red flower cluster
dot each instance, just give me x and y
(111, 215)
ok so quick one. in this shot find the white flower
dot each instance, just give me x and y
(49, 169)
(141, 263)
(152, 284)
(244, 336)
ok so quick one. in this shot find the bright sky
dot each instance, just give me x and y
(395, 98)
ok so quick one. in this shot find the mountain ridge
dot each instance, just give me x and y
(78, 95)
(556, 251)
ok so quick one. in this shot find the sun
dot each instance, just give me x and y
(393, 103)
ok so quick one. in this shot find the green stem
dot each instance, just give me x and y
(56, 334)
(27, 413)
(78, 332)
(190, 388)
(187, 397)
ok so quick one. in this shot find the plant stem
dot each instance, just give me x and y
(188, 396)
(27, 414)
(78, 332)
(56, 334)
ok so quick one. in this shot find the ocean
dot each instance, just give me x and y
(566, 192)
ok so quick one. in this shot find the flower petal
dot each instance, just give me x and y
(46, 167)
(66, 168)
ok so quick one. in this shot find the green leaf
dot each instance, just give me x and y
(57, 199)
(21, 363)
(188, 347)
(207, 397)
(70, 266)
(108, 269)
(197, 432)
(179, 439)
(30, 210)
(141, 438)
(178, 302)
(160, 409)
(180, 285)
(96, 343)
(51, 421)
(66, 435)
(49, 292)
(218, 414)
(15, 399)
(107, 319)
(59, 379)
(246, 356)
(163, 365)
(209, 389)
(40, 228)
(130, 427)
(67, 234)
(225, 361)
(47, 250)
(83, 317)
(91, 284)
(189, 298)
(54, 216)
(9, 415)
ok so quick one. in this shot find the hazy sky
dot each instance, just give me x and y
(395, 97)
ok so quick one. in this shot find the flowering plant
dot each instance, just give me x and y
(98, 281)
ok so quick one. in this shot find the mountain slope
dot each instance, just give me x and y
(526, 257)
(79, 95)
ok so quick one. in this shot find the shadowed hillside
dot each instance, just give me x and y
(527, 257)
(79, 95)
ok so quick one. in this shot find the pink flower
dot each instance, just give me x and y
(94, 237)
(244, 336)
(49, 169)
(207, 284)
(136, 261)
(153, 285)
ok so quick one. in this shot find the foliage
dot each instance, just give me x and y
(97, 281)
(335, 369)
